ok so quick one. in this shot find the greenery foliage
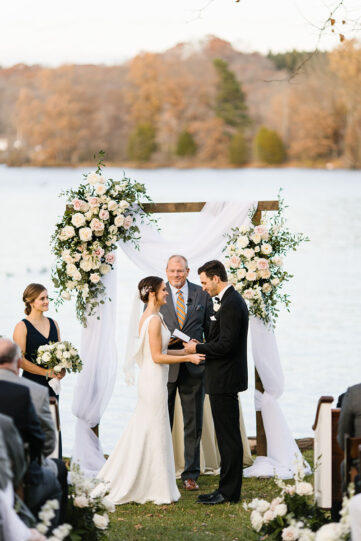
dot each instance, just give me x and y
(230, 102)
(186, 145)
(142, 143)
(238, 149)
(269, 147)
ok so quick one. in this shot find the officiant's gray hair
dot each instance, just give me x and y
(177, 256)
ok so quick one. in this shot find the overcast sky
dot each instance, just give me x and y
(110, 31)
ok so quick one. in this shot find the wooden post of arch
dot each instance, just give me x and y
(197, 207)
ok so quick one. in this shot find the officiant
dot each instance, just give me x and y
(188, 309)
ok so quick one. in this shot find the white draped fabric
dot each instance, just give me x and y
(204, 242)
(282, 450)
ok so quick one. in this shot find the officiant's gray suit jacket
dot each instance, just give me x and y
(196, 324)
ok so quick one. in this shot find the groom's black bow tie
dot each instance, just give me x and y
(217, 300)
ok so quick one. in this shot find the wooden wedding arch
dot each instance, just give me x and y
(262, 206)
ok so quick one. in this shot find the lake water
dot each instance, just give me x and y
(319, 341)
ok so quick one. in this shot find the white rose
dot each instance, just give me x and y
(265, 274)
(277, 260)
(239, 287)
(85, 234)
(93, 178)
(251, 276)
(242, 241)
(290, 533)
(256, 238)
(257, 249)
(67, 232)
(268, 516)
(59, 354)
(124, 204)
(81, 501)
(241, 273)
(104, 268)
(113, 229)
(248, 253)
(112, 205)
(244, 229)
(266, 288)
(101, 521)
(88, 215)
(58, 368)
(262, 506)
(280, 509)
(251, 265)
(275, 281)
(77, 276)
(103, 214)
(256, 520)
(95, 277)
(71, 269)
(65, 254)
(78, 219)
(96, 225)
(96, 264)
(304, 489)
(100, 189)
(46, 357)
(66, 355)
(61, 532)
(84, 207)
(109, 505)
(248, 294)
(42, 528)
(66, 295)
(86, 265)
(119, 221)
(266, 249)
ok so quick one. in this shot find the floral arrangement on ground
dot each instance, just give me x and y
(294, 516)
(99, 213)
(254, 262)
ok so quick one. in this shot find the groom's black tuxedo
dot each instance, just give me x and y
(225, 376)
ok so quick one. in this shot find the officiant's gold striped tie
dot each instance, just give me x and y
(180, 308)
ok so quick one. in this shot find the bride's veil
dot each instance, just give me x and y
(133, 348)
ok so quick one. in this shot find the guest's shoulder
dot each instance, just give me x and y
(355, 391)
(34, 387)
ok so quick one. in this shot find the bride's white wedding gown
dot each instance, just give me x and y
(141, 467)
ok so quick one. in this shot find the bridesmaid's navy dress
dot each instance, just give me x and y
(34, 339)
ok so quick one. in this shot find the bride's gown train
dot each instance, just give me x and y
(141, 467)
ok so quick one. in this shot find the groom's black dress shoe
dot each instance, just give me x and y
(213, 499)
(205, 497)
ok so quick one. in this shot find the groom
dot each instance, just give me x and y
(225, 376)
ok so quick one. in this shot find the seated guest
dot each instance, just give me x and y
(15, 401)
(11, 526)
(9, 370)
(350, 421)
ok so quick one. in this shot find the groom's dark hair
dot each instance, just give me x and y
(214, 268)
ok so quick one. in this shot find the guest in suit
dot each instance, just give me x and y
(188, 309)
(225, 376)
(15, 401)
(350, 423)
(15, 451)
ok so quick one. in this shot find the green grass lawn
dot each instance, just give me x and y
(187, 520)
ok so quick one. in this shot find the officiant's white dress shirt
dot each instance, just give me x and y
(184, 290)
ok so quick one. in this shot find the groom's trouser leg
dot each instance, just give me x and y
(225, 413)
(191, 392)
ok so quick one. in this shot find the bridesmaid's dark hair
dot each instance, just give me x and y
(31, 293)
(148, 285)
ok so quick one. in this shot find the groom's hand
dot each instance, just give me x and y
(190, 347)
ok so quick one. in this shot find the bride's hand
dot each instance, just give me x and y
(196, 358)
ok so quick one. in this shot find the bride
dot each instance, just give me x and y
(141, 467)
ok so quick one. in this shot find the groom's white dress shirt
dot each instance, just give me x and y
(184, 290)
(220, 295)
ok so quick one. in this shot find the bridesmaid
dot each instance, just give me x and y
(36, 330)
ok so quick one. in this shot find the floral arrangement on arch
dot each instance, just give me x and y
(99, 213)
(254, 262)
(294, 516)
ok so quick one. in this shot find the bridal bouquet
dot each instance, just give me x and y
(99, 213)
(254, 261)
(59, 356)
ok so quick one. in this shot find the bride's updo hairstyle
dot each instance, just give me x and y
(150, 284)
(31, 293)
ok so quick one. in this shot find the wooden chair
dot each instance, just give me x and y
(327, 454)
(54, 408)
(352, 458)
